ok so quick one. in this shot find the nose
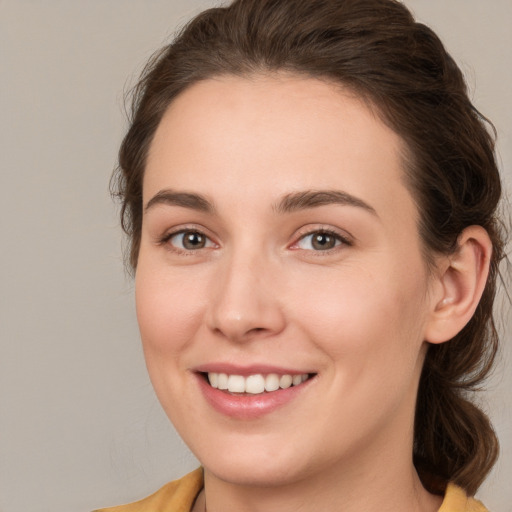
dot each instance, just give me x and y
(245, 301)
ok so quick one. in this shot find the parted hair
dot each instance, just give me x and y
(400, 67)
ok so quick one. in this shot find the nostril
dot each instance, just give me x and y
(241, 318)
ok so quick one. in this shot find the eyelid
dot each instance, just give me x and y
(177, 230)
(343, 236)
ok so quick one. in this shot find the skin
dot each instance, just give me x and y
(259, 292)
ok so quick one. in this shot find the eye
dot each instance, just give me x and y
(320, 241)
(189, 240)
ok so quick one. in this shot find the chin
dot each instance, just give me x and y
(259, 466)
(251, 473)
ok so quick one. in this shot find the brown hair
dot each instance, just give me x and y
(401, 68)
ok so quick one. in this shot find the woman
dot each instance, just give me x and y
(311, 202)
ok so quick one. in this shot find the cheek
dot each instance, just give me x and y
(169, 309)
(169, 313)
(370, 327)
(365, 316)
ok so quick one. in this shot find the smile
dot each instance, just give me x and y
(254, 384)
(250, 393)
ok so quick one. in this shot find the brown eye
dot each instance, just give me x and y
(323, 241)
(193, 240)
(190, 240)
(320, 241)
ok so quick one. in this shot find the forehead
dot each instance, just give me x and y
(278, 132)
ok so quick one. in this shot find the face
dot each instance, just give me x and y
(280, 258)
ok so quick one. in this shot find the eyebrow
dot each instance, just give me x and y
(315, 198)
(183, 199)
(289, 203)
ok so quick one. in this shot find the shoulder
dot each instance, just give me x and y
(176, 496)
(179, 496)
(456, 500)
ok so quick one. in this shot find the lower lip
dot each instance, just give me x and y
(248, 406)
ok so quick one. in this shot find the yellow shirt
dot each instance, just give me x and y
(179, 496)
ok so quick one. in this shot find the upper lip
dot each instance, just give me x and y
(246, 370)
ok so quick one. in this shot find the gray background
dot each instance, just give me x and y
(79, 425)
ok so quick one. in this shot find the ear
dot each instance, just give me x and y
(459, 285)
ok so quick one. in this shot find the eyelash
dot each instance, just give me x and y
(340, 240)
(165, 240)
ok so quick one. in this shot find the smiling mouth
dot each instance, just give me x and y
(255, 384)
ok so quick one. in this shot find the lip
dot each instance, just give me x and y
(245, 406)
(246, 370)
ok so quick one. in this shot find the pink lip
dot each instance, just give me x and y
(248, 407)
(232, 369)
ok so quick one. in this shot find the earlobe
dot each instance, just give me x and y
(460, 284)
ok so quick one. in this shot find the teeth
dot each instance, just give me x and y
(296, 380)
(222, 381)
(285, 381)
(236, 384)
(254, 384)
(214, 380)
(272, 382)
